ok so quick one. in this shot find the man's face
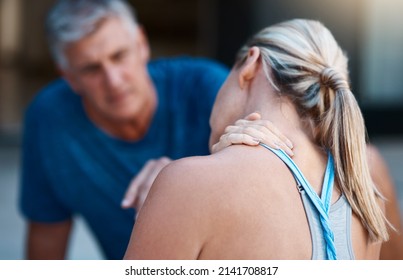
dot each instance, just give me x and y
(109, 70)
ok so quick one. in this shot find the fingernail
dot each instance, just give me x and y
(125, 203)
(289, 144)
(256, 140)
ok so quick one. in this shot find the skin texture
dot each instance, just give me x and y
(392, 249)
(238, 211)
(251, 131)
(48, 241)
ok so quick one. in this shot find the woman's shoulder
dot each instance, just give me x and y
(194, 176)
(224, 173)
(230, 159)
(378, 169)
(201, 200)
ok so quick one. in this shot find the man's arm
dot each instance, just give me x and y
(392, 249)
(48, 221)
(48, 241)
(139, 187)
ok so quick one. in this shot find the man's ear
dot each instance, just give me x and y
(250, 66)
(143, 45)
(71, 80)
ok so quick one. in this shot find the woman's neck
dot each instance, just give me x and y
(283, 114)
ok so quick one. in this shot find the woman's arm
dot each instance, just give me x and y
(170, 224)
(392, 249)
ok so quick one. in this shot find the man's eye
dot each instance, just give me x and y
(91, 69)
(119, 56)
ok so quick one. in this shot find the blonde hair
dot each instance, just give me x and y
(303, 61)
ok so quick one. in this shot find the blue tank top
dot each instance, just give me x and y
(330, 225)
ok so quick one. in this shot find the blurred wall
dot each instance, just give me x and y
(382, 52)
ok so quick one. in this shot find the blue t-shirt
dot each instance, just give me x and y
(70, 167)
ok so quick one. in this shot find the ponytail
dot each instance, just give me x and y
(341, 128)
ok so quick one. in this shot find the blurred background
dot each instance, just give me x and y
(368, 30)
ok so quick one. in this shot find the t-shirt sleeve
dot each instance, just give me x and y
(37, 199)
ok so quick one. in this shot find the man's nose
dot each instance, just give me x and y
(113, 77)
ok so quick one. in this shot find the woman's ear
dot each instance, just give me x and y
(249, 67)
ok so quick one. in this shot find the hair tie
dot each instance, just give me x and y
(329, 77)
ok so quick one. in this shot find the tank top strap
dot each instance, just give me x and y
(322, 204)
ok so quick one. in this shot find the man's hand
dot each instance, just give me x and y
(252, 131)
(140, 185)
(249, 131)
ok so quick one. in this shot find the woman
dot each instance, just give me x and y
(254, 202)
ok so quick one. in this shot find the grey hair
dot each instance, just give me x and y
(71, 20)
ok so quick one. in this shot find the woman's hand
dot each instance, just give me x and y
(251, 131)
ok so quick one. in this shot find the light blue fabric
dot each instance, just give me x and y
(322, 204)
(340, 215)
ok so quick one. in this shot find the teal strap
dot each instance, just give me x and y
(322, 204)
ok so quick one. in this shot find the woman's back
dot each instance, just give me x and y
(264, 215)
(267, 211)
(241, 203)
(261, 215)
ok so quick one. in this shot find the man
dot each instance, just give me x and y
(87, 135)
